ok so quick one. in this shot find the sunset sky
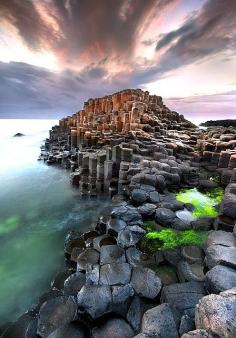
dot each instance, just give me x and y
(55, 54)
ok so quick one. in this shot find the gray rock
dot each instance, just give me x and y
(24, 327)
(221, 238)
(96, 300)
(72, 330)
(74, 283)
(139, 196)
(182, 296)
(88, 256)
(136, 258)
(217, 314)
(198, 334)
(164, 216)
(220, 278)
(121, 298)
(115, 225)
(147, 210)
(143, 335)
(202, 223)
(173, 256)
(115, 328)
(186, 274)
(112, 254)
(218, 254)
(185, 216)
(55, 313)
(159, 322)
(186, 324)
(92, 274)
(145, 282)
(115, 273)
(135, 313)
(154, 197)
(127, 214)
(229, 201)
(130, 236)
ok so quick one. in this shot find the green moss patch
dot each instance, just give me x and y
(170, 239)
(205, 205)
(9, 224)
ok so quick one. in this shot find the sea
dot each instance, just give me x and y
(38, 206)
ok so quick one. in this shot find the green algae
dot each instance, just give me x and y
(9, 224)
(205, 204)
(169, 239)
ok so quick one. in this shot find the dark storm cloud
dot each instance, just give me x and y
(30, 91)
(208, 32)
(88, 29)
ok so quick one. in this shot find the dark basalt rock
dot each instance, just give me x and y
(18, 135)
(220, 278)
(182, 296)
(87, 256)
(115, 273)
(115, 328)
(74, 283)
(95, 300)
(164, 216)
(55, 313)
(145, 282)
(112, 254)
(72, 330)
(159, 322)
(24, 327)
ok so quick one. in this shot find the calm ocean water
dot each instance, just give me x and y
(37, 207)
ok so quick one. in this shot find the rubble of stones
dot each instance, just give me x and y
(132, 147)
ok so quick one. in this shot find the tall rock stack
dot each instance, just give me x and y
(112, 135)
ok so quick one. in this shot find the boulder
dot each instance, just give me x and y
(221, 238)
(217, 314)
(145, 282)
(115, 273)
(96, 300)
(136, 311)
(159, 322)
(229, 201)
(164, 216)
(72, 330)
(92, 274)
(59, 280)
(115, 328)
(74, 283)
(130, 236)
(112, 254)
(121, 298)
(90, 256)
(138, 196)
(127, 214)
(182, 296)
(55, 313)
(198, 334)
(24, 327)
(115, 225)
(147, 210)
(220, 278)
(219, 254)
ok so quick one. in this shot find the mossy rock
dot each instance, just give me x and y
(170, 239)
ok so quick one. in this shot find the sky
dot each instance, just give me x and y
(55, 54)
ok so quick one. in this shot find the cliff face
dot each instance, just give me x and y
(121, 112)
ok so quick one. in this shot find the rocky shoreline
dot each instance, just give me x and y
(131, 146)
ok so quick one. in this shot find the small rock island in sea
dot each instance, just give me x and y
(163, 262)
(18, 135)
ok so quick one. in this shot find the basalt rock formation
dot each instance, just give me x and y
(124, 136)
(131, 146)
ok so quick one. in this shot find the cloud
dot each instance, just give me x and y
(200, 108)
(207, 32)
